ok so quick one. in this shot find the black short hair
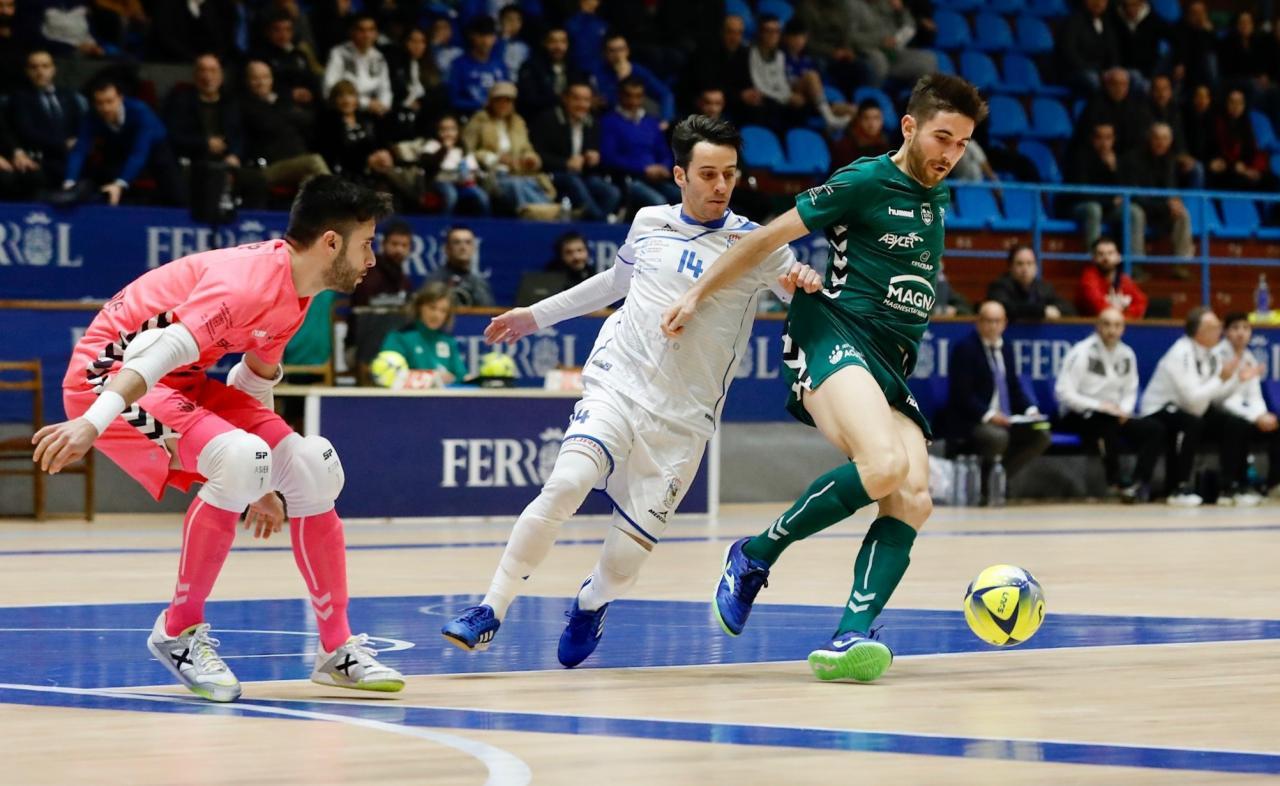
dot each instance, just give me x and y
(795, 26)
(870, 103)
(934, 93)
(481, 25)
(362, 16)
(630, 82)
(327, 202)
(700, 128)
(448, 233)
(274, 15)
(612, 34)
(572, 83)
(102, 82)
(1100, 239)
(1017, 247)
(764, 19)
(571, 236)
(1194, 318)
(510, 8)
(1234, 317)
(397, 227)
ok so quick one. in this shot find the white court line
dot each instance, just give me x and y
(505, 769)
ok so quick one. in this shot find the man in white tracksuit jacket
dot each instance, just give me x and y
(1240, 417)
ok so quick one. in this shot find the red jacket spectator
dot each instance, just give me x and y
(1096, 292)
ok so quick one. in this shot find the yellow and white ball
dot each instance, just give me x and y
(1004, 605)
(389, 369)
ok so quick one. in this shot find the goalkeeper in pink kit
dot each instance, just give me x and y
(137, 390)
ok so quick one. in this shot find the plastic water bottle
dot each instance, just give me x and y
(566, 209)
(1253, 481)
(1262, 297)
(997, 484)
(960, 481)
(974, 478)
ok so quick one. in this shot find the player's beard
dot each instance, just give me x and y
(919, 167)
(340, 277)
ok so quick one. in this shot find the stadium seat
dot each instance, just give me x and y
(953, 30)
(779, 8)
(1049, 119)
(1034, 36)
(991, 33)
(833, 94)
(1169, 10)
(1008, 118)
(957, 5)
(945, 65)
(1275, 163)
(976, 207)
(1022, 77)
(1239, 219)
(979, 70)
(760, 148)
(1043, 158)
(882, 98)
(807, 154)
(740, 8)
(1007, 6)
(1048, 9)
(1263, 132)
(1018, 213)
(1211, 214)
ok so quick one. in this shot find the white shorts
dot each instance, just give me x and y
(648, 463)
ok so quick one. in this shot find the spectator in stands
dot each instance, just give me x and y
(417, 88)
(1198, 125)
(710, 102)
(1088, 45)
(1239, 165)
(546, 74)
(1240, 417)
(202, 119)
(1118, 106)
(427, 343)
(1026, 296)
(568, 140)
(947, 300)
(722, 64)
(46, 118)
(468, 287)
(332, 20)
(276, 131)
(127, 139)
(1140, 33)
(301, 34)
(500, 140)
(179, 29)
(1156, 166)
(586, 37)
(474, 73)
(1099, 165)
(1188, 378)
(1104, 284)
(882, 31)
(1195, 45)
(974, 166)
(1242, 53)
(294, 69)
(829, 26)
(442, 45)
(349, 141)
(20, 176)
(512, 50)
(1097, 391)
(64, 27)
(359, 62)
(1162, 108)
(13, 49)
(387, 282)
(572, 259)
(775, 97)
(618, 68)
(865, 136)
(449, 169)
(986, 394)
(662, 35)
(633, 148)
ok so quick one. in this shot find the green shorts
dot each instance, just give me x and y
(819, 340)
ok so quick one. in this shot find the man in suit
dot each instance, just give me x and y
(568, 140)
(45, 117)
(547, 74)
(985, 394)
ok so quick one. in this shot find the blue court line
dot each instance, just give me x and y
(1050, 751)
(474, 544)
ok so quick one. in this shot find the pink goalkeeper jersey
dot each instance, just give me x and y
(232, 300)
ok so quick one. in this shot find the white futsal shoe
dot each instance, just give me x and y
(192, 657)
(354, 666)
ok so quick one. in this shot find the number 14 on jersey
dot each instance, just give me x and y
(689, 261)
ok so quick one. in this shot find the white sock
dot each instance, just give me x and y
(616, 572)
(535, 531)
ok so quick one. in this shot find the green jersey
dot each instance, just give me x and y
(886, 235)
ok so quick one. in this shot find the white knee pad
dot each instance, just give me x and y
(237, 466)
(307, 473)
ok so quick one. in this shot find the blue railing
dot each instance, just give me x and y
(1204, 220)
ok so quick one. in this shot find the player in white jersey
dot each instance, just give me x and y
(649, 403)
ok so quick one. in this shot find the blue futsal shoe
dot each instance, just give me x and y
(472, 630)
(582, 635)
(851, 656)
(739, 584)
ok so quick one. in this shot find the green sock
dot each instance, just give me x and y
(833, 497)
(883, 558)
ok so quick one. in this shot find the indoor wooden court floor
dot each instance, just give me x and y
(1156, 664)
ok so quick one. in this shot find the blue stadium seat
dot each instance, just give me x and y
(945, 64)
(1239, 219)
(1034, 36)
(1022, 77)
(1264, 132)
(1169, 10)
(953, 30)
(1211, 214)
(991, 33)
(1008, 118)
(740, 8)
(807, 154)
(1043, 158)
(1049, 119)
(760, 148)
(979, 70)
(1007, 6)
(957, 5)
(1275, 163)
(882, 98)
(1019, 211)
(977, 208)
(779, 8)
(833, 94)
(1048, 9)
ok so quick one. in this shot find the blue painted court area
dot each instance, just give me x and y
(82, 649)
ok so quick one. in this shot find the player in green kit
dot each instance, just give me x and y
(847, 352)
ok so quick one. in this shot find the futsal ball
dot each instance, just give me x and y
(1004, 606)
(496, 365)
(389, 369)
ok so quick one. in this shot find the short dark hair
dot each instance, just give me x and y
(764, 19)
(481, 25)
(795, 26)
(510, 8)
(1194, 318)
(700, 128)
(397, 227)
(572, 83)
(567, 238)
(630, 83)
(1100, 239)
(870, 103)
(611, 35)
(362, 16)
(327, 202)
(101, 83)
(448, 233)
(1234, 317)
(1017, 247)
(936, 93)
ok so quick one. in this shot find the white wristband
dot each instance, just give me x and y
(106, 409)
